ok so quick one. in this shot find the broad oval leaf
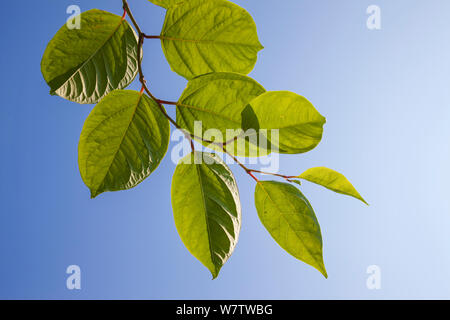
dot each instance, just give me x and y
(84, 65)
(299, 124)
(123, 140)
(332, 180)
(291, 221)
(206, 207)
(203, 36)
(217, 100)
(166, 3)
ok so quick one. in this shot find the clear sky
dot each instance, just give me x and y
(386, 97)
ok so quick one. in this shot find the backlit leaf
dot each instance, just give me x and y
(203, 36)
(332, 180)
(300, 125)
(291, 221)
(207, 210)
(84, 65)
(123, 140)
(218, 100)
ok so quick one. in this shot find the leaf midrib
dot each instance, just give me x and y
(257, 46)
(197, 167)
(121, 140)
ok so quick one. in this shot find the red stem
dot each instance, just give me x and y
(166, 102)
(251, 175)
(151, 37)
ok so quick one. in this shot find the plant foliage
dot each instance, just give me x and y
(214, 45)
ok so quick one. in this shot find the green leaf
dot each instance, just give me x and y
(203, 36)
(300, 125)
(166, 3)
(123, 140)
(217, 100)
(332, 180)
(291, 221)
(84, 65)
(207, 210)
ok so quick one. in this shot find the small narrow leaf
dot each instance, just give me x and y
(203, 36)
(332, 180)
(206, 207)
(84, 65)
(122, 142)
(217, 101)
(300, 125)
(291, 221)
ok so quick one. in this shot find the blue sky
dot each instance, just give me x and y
(386, 98)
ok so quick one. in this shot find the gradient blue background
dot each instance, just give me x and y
(387, 101)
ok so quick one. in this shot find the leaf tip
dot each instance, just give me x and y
(359, 197)
(322, 270)
(94, 193)
(215, 274)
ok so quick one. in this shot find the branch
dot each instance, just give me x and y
(190, 136)
(249, 172)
